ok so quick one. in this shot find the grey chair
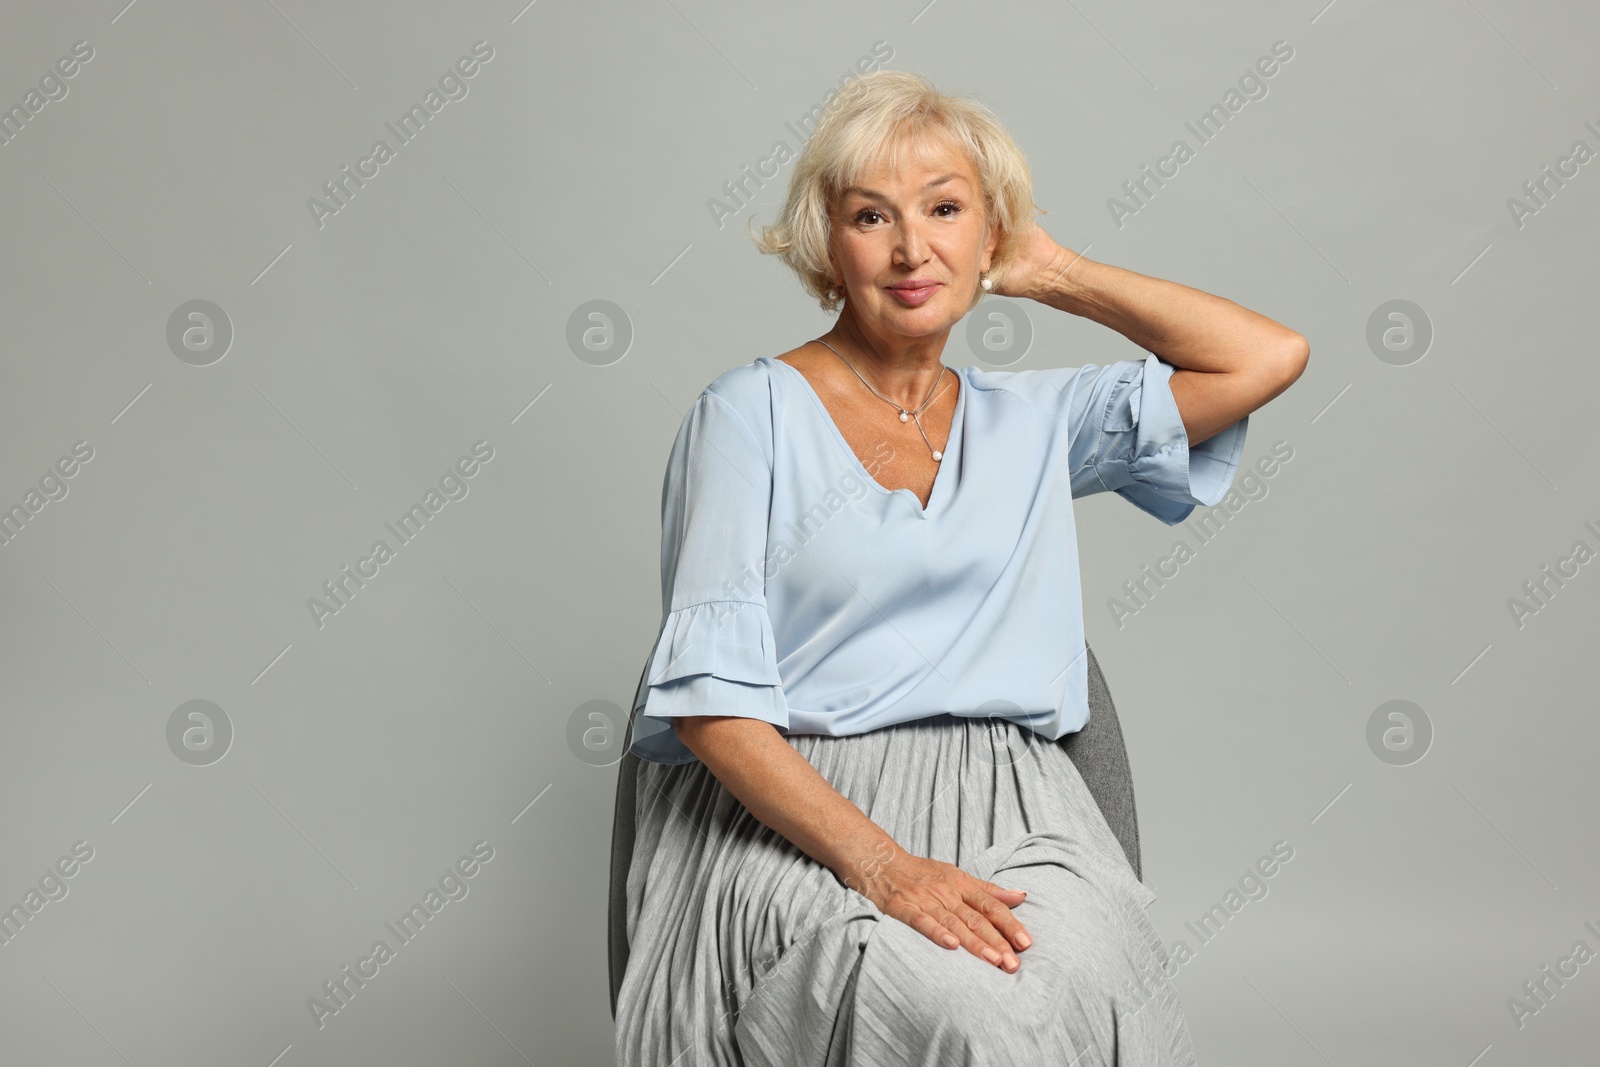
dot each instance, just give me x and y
(1097, 751)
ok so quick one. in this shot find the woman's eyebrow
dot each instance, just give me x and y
(873, 194)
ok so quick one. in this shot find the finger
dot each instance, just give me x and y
(998, 948)
(1011, 896)
(997, 912)
(971, 940)
(1010, 927)
(932, 929)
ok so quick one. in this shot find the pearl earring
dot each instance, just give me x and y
(986, 283)
(833, 291)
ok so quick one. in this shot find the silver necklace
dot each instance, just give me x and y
(904, 414)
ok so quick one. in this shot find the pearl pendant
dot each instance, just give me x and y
(937, 454)
(904, 416)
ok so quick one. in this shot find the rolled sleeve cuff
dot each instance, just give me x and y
(1168, 477)
(714, 658)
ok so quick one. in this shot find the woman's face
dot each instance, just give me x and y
(923, 223)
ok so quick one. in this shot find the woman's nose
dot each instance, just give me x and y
(911, 246)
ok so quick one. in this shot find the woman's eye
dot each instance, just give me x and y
(863, 215)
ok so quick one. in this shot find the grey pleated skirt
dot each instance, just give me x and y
(745, 951)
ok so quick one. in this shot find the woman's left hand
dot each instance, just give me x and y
(1040, 262)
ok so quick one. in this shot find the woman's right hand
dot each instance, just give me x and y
(945, 904)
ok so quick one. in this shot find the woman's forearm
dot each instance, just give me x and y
(781, 788)
(1187, 328)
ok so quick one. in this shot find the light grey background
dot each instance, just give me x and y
(436, 709)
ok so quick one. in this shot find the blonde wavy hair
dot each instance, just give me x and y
(885, 114)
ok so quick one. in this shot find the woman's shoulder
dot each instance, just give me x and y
(745, 381)
(1044, 387)
(747, 388)
(744, 396)
(1055, 387)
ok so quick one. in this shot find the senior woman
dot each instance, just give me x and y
(857, 840)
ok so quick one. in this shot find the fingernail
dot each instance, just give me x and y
(991, 955)
(1024, 940)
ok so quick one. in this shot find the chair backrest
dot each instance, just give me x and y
(1097, 751)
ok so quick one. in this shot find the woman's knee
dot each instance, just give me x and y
(947, 998)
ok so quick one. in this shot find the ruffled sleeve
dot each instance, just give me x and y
(1128, 438)
(715, 654)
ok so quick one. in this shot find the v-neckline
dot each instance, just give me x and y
(950, 454)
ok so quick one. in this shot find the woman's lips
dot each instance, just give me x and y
(915, 297)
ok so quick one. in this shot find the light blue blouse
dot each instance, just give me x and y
(798, 590)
